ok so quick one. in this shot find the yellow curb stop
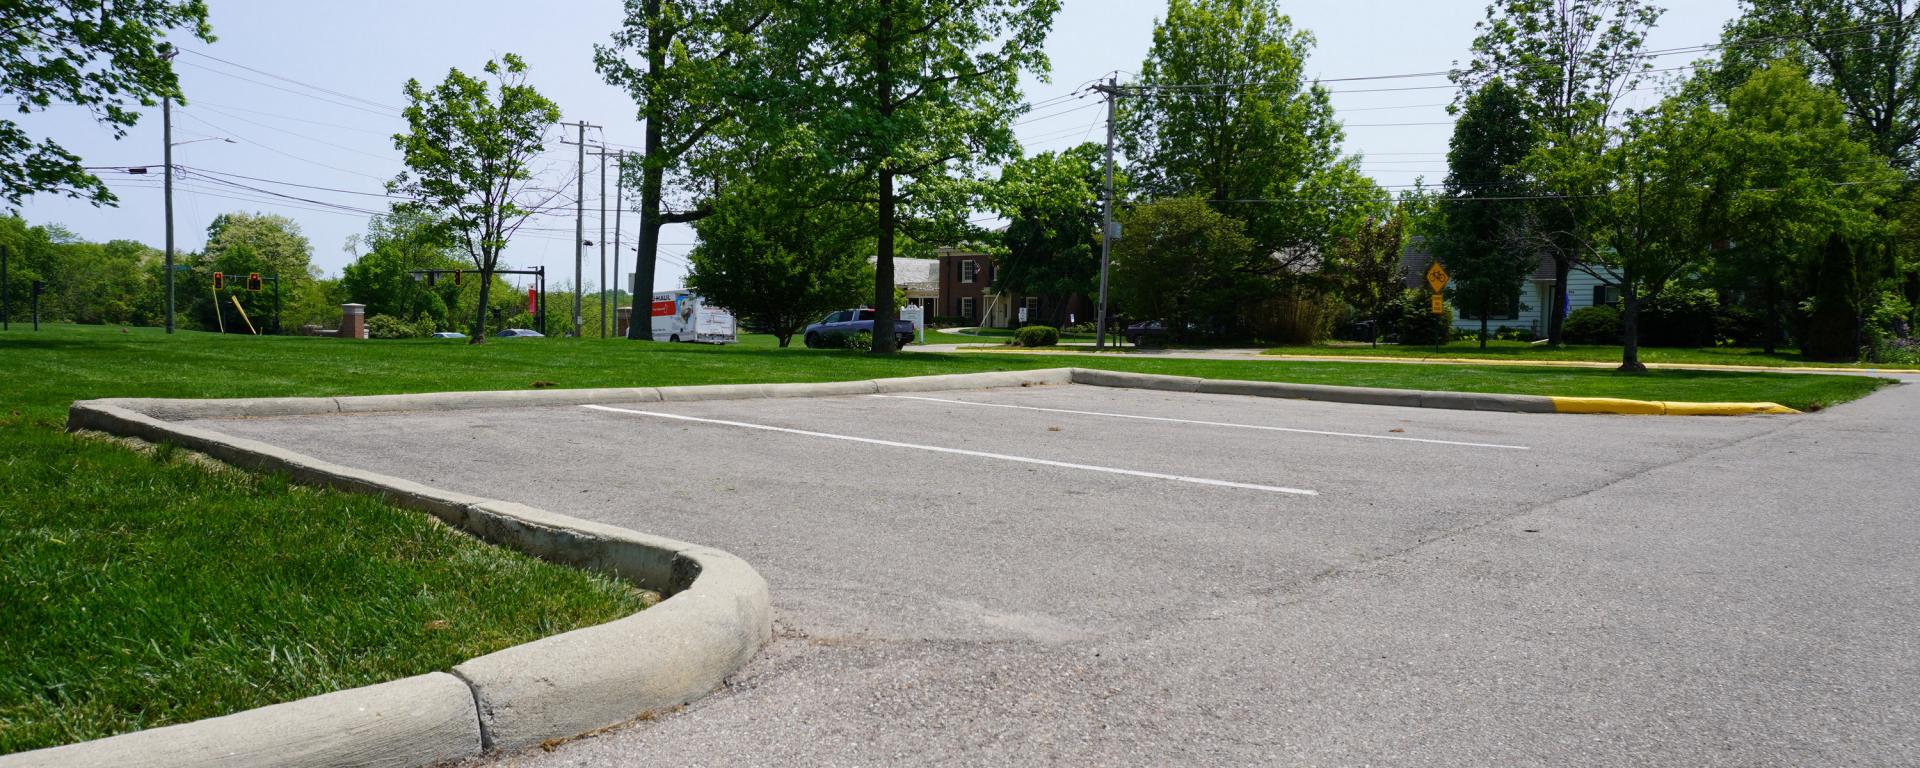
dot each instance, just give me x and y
(1659, 408)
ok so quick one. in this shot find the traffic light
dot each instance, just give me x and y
(456, 276)
(219, 281)
(39, 287)
(254, 283)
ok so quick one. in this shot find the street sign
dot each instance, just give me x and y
(1439, 305)
(1437, 277)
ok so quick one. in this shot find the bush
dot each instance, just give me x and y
(861, 342)
(1679, 319)
(1410, 320)
(948, 322)
(1081, 328)
(1510, 333)
(1739, 326)
(1593, 325)
(390, 327)
(1036, 336)
(1295, 317)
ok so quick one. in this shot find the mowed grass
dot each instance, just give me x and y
(143, 590)
(1517, 350)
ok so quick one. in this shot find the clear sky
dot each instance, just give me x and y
(361, 52)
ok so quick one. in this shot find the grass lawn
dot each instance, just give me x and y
(142, 590)
(990, 336)
(1516, 350)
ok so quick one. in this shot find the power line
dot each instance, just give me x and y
(285, 79)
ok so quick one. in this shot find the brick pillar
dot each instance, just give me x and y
(353, 321)
(621, 318)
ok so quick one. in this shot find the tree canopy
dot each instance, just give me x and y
(106, 56)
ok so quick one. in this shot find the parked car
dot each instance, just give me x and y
(848, 322)
(514, 333)
(1153, 331)
(449, 335)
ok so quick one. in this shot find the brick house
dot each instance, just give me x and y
(965, 291)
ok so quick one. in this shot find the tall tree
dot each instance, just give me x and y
(1224, 110)
(1489, 261)
(1866, 51)
(1574, 59)
(104, 55)
(468, 151)
(1664, 182)
(395, 245)
(1052, 205)
(692, 67)
(240, 243)
(910, 97)
(1368, 269)
(1802, 178)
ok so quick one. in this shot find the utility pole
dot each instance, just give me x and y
(579, 226)
(603, 241)
(166, 138)
(1112, 90)
(6, 292)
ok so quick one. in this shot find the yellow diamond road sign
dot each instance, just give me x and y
(1437, 277)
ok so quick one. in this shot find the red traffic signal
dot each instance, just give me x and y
(219, 281)
(456, 276)
(254, 283)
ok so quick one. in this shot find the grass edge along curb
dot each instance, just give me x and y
(1413, 398)
(715, 618)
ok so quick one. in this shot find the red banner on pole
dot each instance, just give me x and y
(533, 301)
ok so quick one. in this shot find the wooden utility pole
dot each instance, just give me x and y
(1112, 91)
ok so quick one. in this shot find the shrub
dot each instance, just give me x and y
(1593, 325)
(1295, 317)
(1510, 333)
(1739, 326)
(1410, 320)
(1679, 318)
(1082, 328)
(862, 341)
(390, 327)
(1036, 336)
(948, 321)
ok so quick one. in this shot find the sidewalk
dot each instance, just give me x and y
(1255, 354)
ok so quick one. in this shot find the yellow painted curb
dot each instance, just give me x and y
(1658, 408)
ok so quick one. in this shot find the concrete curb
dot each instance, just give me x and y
(716, 617)
(1410, 398)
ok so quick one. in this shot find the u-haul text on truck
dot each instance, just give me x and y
(683, 316)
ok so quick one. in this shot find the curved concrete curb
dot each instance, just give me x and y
(1412, 398)
(715, 618)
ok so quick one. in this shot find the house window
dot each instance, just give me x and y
(1606, 295)
(1032, 303)
(966, 305)
(968, 270)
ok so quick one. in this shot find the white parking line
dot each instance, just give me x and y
(964, 452)
(1207, 423)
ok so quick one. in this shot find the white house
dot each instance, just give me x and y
(1583, 290)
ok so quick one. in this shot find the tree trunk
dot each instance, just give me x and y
(1630, 327)
(480, 318)
(1771, 292)
(784, 338)
(1483, 325)
(1557, 314)
(651, 173)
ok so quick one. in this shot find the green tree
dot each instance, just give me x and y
(1665, 183)
(908, 98)
(240, 244)
(1182, 262)
(468, 150)
(1866, 51)
(777, 258)
(1367, 269)
(1052, 205)
(1488, 259)
(1224, 110)
(396, 245)
(1802, 178)
(107, 57)
(696, 69)
(1573, 59)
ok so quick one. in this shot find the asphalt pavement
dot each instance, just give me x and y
(1079, 575)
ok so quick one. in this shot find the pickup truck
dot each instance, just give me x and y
(848, 322)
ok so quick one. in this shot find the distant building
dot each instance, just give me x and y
(1536, 294)
(965, 291)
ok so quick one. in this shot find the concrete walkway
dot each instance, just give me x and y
(1255, 354)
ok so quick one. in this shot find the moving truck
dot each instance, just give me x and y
(683, 316)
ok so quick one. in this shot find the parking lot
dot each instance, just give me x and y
(1087, 575)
